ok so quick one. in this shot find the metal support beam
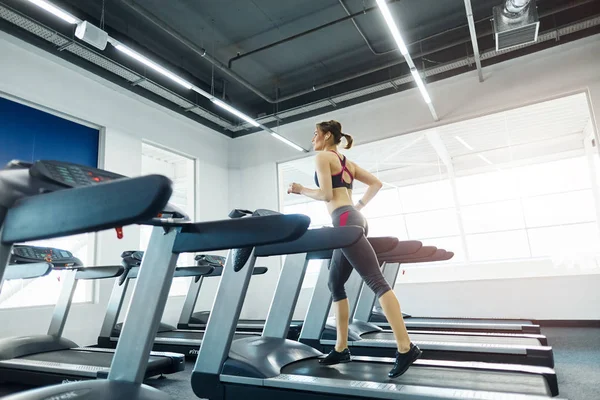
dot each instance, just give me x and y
(191, 108)
(438, 144)
(471, 21)
(65, 46)
(135, 83)
(588, 141)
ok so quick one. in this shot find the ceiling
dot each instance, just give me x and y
(281, 61)
(536, 133)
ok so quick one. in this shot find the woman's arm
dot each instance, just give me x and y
(325, 192)
(369, 179)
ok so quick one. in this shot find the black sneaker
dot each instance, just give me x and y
(335, 357)
(404, 360)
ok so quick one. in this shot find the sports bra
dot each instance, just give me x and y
(337, 180)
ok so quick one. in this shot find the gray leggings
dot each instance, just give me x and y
(359, 256)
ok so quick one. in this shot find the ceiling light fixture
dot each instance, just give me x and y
(485, 159)
(151, 64)
(387, 15)
(235, 112)
(420, 85)
(288, 142)
(52, 9)
(65, 16)
(461, 141)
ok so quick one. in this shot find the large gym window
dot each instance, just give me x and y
(508, 187)
(29, 134)
(182, 171)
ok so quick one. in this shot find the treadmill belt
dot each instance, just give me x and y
(425, 376)
(191, 335)
(468, 321)
(89, 358)
(423, 337)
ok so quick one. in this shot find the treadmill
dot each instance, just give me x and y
(51, 358)
(34, 198)
(271, 366)
(168, 338)
(367, 311)
(492, 325)
(370, 340)
(198, 319)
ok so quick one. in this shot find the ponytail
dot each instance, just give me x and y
(349, 141)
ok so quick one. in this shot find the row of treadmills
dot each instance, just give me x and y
(274, 358)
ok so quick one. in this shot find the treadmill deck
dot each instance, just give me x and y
(374, 375)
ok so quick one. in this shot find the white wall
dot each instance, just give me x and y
(563, 70)
(37, 77)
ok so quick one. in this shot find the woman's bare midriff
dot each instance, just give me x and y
(341, 197)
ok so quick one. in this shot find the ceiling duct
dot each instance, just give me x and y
(516, 22)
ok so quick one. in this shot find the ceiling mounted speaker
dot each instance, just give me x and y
(92, 35)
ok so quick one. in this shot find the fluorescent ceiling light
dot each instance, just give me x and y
(235, 112)
(152, 65)
(420, 85)
(289, 143)
(392, 26)
(485, 159)
(467, 145)
(51, 8)
(202, 92)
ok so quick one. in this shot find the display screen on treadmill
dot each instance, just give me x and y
(78, 175)
(41, 253)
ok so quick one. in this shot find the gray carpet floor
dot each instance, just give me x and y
(576, 353)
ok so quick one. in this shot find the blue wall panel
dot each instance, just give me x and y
(29, 134)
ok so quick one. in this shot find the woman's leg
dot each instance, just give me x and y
(339, 272)
(364, 260)
(391, 309)
(362, 257)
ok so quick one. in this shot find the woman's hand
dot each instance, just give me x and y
(295, 188)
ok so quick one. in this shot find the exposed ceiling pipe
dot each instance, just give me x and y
(515, 8)
(203, 53)
(198, 50)
(318, 28)
(473, 34)
(361, 33)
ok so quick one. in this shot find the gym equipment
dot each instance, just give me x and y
(168, 338)
(199, 319)
(366, 339)
(47, 359)
(524, 328)
(367, 311)
(29, 212)
(271, 366)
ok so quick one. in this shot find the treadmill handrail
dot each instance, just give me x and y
(425, 251)
(404, 248)
(86, 209)
(240, 233)
(439, 255)
(381, 244)
(102, 272)
(180, 272)
(314, 240)
(27, 271)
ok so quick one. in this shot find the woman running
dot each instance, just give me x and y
(334, 177)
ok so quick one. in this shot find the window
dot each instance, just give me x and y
(29, 134)
(45, 291)
(181, 170)
(520, 184)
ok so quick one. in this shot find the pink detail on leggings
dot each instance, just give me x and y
(344, 218)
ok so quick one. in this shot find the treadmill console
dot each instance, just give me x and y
(22, 254)
(71, 175)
